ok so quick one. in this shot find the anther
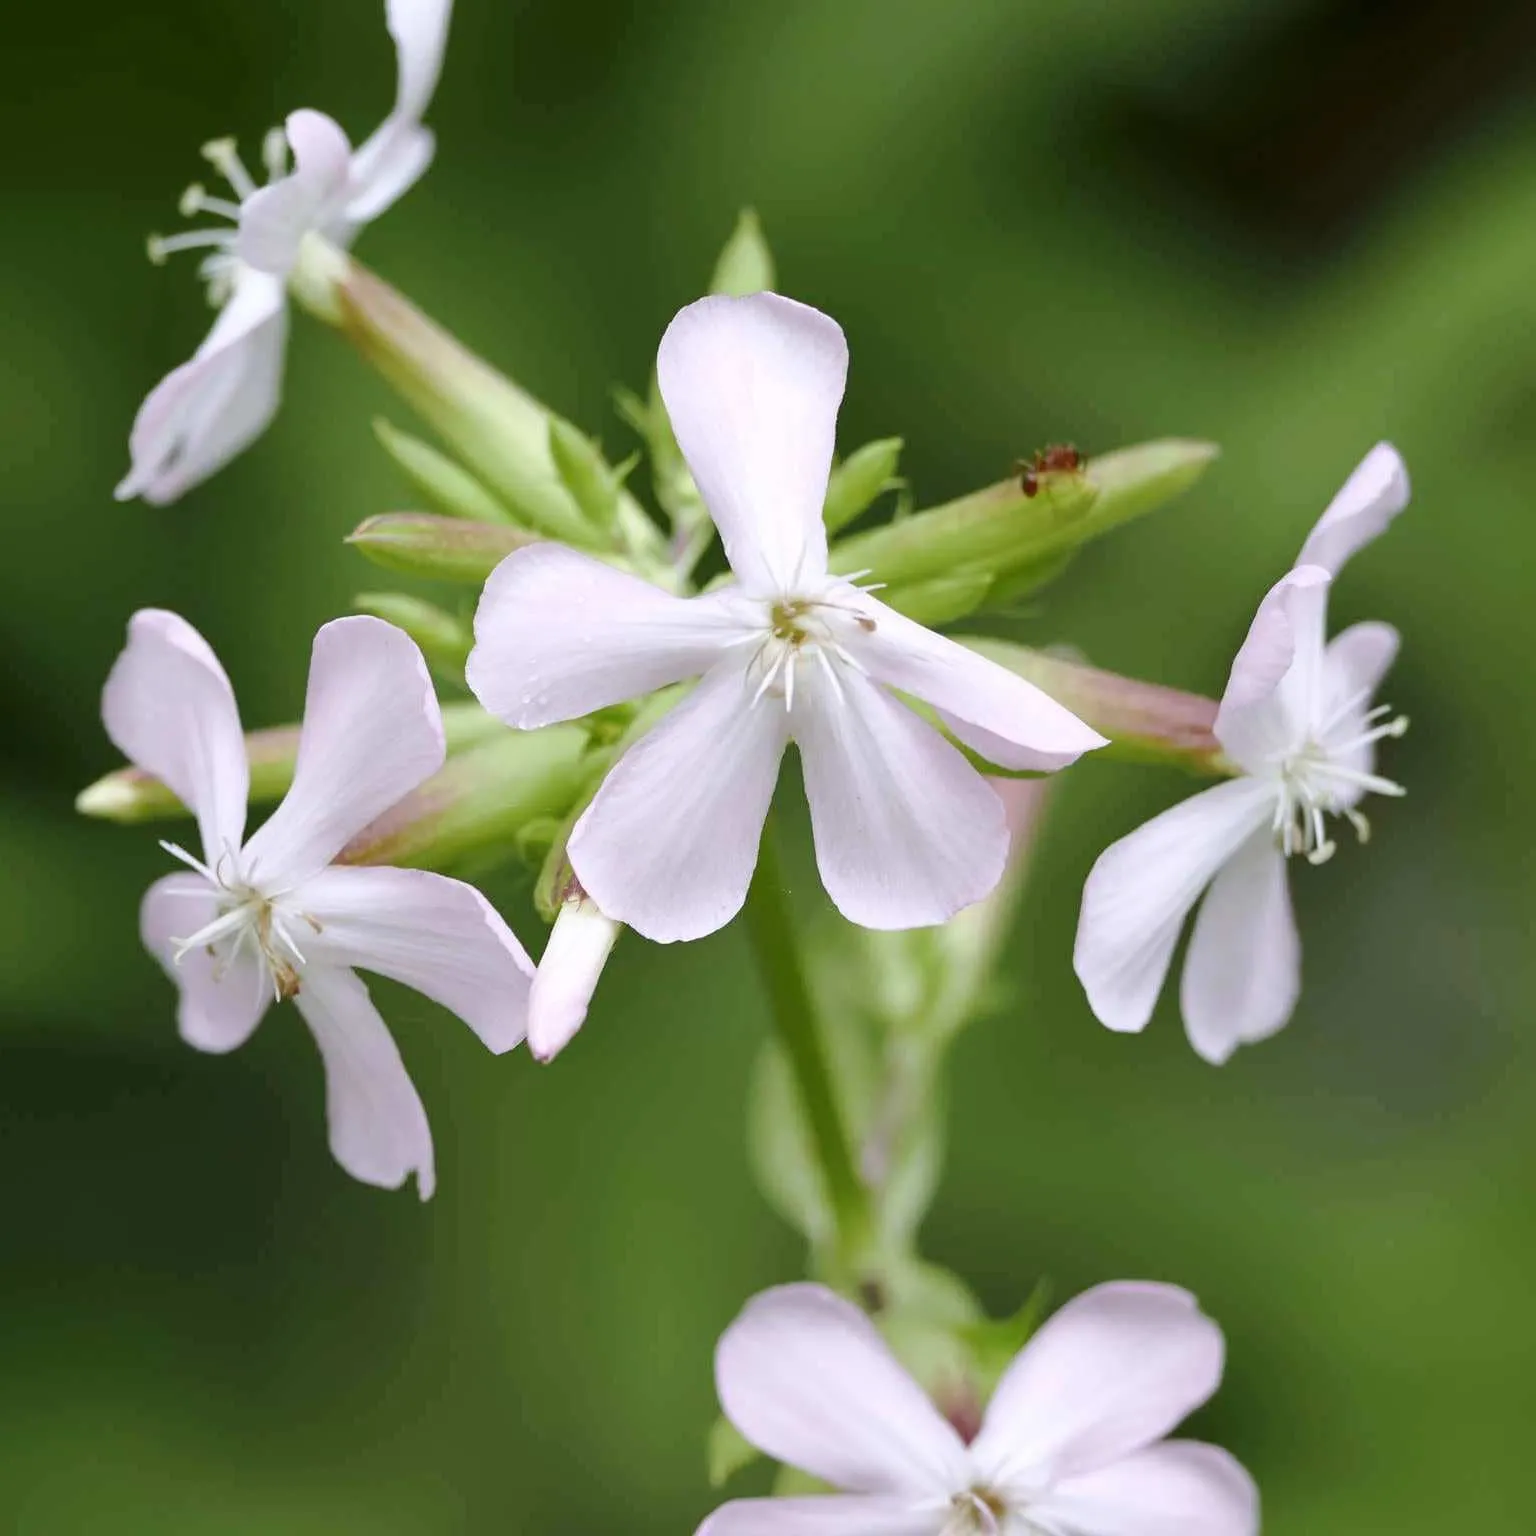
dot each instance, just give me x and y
(274, 154)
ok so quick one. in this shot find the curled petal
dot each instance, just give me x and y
(1141, 889)
(1372, 496)
(1180, 1488)
(378, 1129)
(568, 973)
(753, 386)
(275, 219)
(806, 1378)
(169, 709)
(1114, 1370)
(1354, 665)
(440, 937)
(372, 732)
(833, 1516)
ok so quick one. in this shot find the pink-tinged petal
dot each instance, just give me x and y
(1114, 1370)
(1141, 888)
(1242, 974)
(558, 635)
(1008, 721)
(807, 1379)
(1271, 697)
(169, 710)
(832, 1516)
(215, 406)
(275, 219)
(438, 936)
(1181, 1488)
(568, 973)
(670, 840)
(221, 1002)
(907, 831)
(752, 386)
(372, 732)
(1372, 496)
(378, 1129)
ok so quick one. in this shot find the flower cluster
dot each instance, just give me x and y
(629, 728)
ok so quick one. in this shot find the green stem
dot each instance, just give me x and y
(799, 1031)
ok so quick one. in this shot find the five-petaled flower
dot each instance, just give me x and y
(271, 916)
(1297, 719)
(907, 831)
(214, 406)
(1072, 1444)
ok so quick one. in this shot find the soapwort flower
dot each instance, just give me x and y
(259, 919)
(1072, 1444)
(907, 831)
(214, 406)
(1298, 721)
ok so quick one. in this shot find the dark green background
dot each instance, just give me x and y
(1294, 228)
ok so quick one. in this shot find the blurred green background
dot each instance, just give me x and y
(1292, 227)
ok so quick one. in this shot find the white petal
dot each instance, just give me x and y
(907, 831)
(213, 407)
(569, 969)
(372, 732)
(1243, 970)
(1112, 1371)
(275, 219)
(220, 1004)
(806, 1378)
(436, 935)
(383, 171)
(169, 709)
(833, 1516)
(1372, 496)
(420, 31)
(1141, 889)
(1354, 665)
(378, 1129)
(670, 840)
(1181, 1488)
(1272, 694)
(994, 712)
(558, 635)
(752, 386)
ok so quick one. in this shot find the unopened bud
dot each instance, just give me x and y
(443, 548)
(593, 483)
(746, 264)
(444, 486)
(573, 960)
(444, 639)
(866, 473)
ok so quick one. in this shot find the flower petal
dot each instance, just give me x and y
(1112, 1371)
(275, 218)
(1242, 974)
(1354, 665)
(1372, 496)
(220, 1004)
(1180, 1488)
(670, 840)
(216, 405)
(831, 1516)
(568, 973)
(372, 732)
(907, 831)
(378, 1129)
(752, 386)
(808, 1380)
(1141, 889)
(169, 710)
(436, 935)
(558, 635)
(1008, 721)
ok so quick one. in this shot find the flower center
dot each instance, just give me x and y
(805, 627)
(976, 1512)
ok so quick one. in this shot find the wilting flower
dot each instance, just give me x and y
(1297, 719)
(568, 973)
(213, 407)
(907, 831)
(1072, 1443)
(259, 919)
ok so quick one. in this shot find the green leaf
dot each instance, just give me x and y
(856, 482)
(745, 264)
(443, 485)
(728, 1452)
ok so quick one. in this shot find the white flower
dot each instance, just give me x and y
(1072, 1443)
(269, 917)
(214, 406)
(568, 973)
(907, 831)
(1297, 719)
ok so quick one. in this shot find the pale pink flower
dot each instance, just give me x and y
(907, 831)
(259, 919)
(214, 406)
(1073, 1442)
(568, 973)
(1297, 719)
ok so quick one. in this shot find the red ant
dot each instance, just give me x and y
(1059, 458)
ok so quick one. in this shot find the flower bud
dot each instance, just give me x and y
(573, 960)
(444, 486)
(444, 548)
(746, 264)
(444, 639)
(586, 474)
(866, 473)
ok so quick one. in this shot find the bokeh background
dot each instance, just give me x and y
(1294, 226)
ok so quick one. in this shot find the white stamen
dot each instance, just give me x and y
(222, 155)
(274, 154)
